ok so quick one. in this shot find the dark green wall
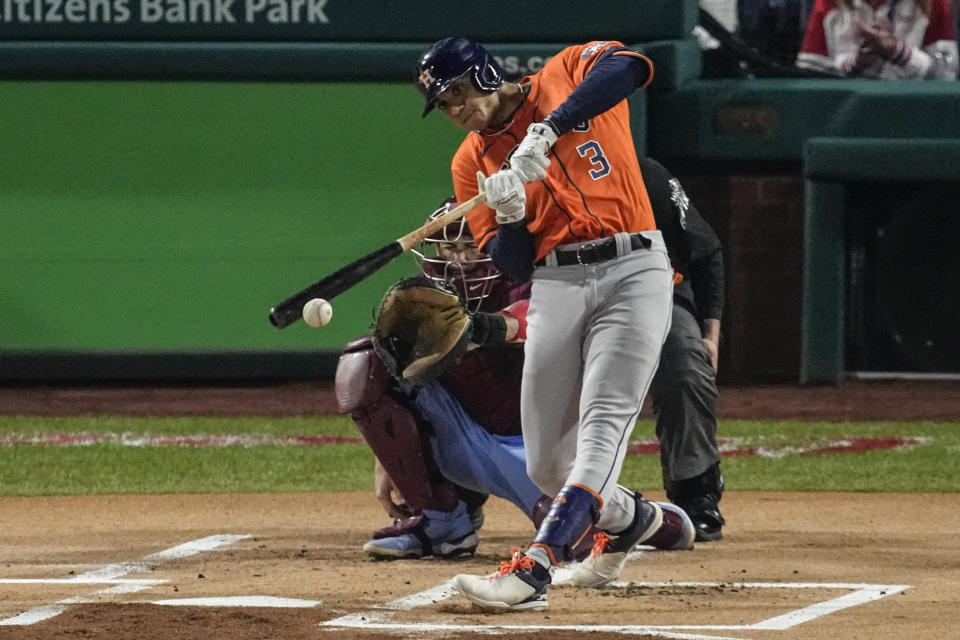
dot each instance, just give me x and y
(770, 119)
(172, 216)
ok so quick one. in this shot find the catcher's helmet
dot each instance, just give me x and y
(450, 59)
(472, 275)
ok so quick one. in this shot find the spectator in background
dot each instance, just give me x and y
(774, 28)
(906, 39)
(716, 61)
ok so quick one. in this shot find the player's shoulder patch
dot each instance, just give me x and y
(592, 50)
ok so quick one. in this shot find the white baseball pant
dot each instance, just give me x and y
(593, 345)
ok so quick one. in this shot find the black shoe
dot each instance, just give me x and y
(705, 514)
(699, 496)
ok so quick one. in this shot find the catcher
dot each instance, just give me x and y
(435, 393)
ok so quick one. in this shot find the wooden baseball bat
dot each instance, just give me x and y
(290, 310)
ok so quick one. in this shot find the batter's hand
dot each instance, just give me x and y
(505, 193)
(385, 490)
(530, 159)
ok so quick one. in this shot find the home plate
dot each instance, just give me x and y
(241, 601)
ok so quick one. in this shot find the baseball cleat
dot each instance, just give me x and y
(434, 533)
(677, 532)
(520, 584)
(610, 553)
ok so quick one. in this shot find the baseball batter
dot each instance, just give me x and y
(555, 156)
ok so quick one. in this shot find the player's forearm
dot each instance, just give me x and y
(516, 319)
(506, 325)
(710, 328)
(612, 78)
(707, 281)
(512, 251)
(512, 328)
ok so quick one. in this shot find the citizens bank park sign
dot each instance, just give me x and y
(166, 19)
(162, 12)
(334, 21)
(295, 39)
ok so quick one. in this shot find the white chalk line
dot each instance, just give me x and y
(630, 630)
(112, 574)
(240, 601)
(194, 547)
(866, 593)
(861, 593)
(78, 580)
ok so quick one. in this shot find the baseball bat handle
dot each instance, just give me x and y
(290, 310)
(417, 236)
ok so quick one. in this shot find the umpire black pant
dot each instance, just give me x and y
(684, 396)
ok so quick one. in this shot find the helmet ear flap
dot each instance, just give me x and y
(488, 76)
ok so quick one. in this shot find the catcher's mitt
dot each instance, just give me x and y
(420, 329)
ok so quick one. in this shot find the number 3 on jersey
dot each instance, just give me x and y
(592, 151)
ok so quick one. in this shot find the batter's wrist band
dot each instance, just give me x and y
(553, 127)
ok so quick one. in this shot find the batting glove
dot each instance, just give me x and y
(505, 193)
(530, 159)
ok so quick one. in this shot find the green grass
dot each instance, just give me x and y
(113, 468)
(929, 467)
(342, 425)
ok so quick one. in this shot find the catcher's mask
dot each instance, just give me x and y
(450, 258)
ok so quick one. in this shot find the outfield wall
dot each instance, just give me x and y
(171, 216)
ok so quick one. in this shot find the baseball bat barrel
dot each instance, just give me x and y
(285, 313)
(290, 310)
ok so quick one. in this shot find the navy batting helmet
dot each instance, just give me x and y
(450, 59)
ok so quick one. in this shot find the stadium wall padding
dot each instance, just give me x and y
(160, 216)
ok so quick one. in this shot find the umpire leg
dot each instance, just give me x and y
(684, 399)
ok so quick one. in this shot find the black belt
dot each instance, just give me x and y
(593, 252)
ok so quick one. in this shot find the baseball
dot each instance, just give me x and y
(317, 312)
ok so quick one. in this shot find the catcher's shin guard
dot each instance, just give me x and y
(364, 390)
(572, 516)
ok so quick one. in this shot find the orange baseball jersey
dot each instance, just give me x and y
(593, 187)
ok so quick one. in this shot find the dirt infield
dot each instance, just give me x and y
(892, 560)
(791, 566)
